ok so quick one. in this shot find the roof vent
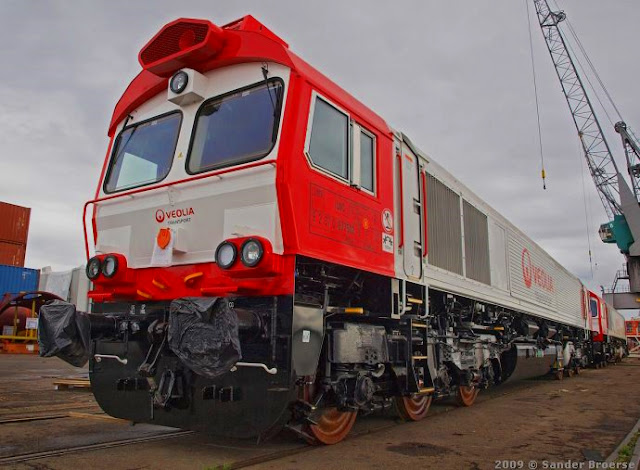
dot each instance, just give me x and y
(181, 43)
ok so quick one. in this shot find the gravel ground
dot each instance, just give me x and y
(548, 421)
(539, 420)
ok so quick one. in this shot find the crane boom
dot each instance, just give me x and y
(632, 153)
(620, 202)
(602, 166)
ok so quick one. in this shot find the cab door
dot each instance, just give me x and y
(595, 314)
(411, 212)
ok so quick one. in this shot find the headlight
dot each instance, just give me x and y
(179, 82)
(93, 268)
(226, 255)
(252, 252)
(109, 266)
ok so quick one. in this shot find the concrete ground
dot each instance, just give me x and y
(539, 421)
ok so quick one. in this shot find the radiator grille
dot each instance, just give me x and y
(445, 231)
(476, 244)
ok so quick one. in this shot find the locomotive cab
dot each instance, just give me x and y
(181, 179)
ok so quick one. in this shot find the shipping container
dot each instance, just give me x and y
(72, 286)
(15, 223)
(14, 280)
(12, 254)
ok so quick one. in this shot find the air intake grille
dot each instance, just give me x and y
(476, 244)
(445, 231)
(174, 39)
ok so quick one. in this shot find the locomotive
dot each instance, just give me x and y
(270, 253)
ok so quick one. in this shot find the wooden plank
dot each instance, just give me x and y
(66, 384)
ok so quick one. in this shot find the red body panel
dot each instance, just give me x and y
(274, 276)
(598, 324)
(322, 217)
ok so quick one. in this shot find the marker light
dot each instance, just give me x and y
(93, 268)
(252, 252)
(226, 254)
(109, 266)
(179, 82)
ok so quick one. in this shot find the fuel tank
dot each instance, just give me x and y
(525, 361)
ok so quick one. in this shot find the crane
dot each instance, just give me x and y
(620, 202)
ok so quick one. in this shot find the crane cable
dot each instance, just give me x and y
(587, 212)
(584, 194)
(586, 76)
(592, 67)
(535, 91)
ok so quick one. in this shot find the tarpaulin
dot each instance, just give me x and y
(203, 333)
(64, 333)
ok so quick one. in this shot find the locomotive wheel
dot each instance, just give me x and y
(577, 370)
(559, 374)
(467, 395)
(413, 408)
(332, 426)
(570, 372)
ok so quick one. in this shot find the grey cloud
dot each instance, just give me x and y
(455, 76)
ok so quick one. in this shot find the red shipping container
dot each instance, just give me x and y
(12, 254)
(15, 223)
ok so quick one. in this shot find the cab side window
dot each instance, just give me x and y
(338, 145)
(329, 143)
(367, 160)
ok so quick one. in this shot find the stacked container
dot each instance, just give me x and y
(14, 229)
(14, 280)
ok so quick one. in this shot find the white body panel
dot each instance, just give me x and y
(617, 328)
(523, 277)
(200, 214)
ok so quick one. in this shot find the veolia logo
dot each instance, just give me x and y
(532, 274)
(162, 215)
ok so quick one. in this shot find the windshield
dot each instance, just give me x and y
(143, 153)
(236, 128)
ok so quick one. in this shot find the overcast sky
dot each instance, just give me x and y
(454, 75)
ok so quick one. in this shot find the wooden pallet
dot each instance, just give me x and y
(70, 384)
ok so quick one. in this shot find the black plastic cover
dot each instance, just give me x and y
(203, 333)
(64, 333)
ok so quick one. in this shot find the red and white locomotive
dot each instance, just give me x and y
(269, 253)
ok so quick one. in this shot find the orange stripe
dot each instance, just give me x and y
(143, 294)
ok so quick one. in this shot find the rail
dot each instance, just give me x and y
(240, 459)
(136, 191)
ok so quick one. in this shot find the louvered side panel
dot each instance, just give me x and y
(476, 244)
(445, 231)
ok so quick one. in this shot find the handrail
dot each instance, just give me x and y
(401, 241)
(423, 179)
(163, 185)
